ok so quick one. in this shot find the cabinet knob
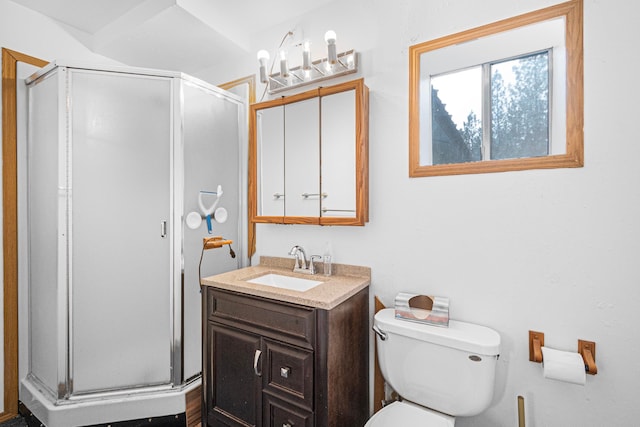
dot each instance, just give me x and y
(285, 371)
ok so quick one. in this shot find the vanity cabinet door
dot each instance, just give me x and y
(233, 389)
(289, 373)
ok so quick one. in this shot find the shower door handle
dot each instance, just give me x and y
(256, 361)
(163, 229)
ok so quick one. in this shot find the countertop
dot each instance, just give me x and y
(346, 281)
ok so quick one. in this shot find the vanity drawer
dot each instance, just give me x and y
(289, 373)
(280, 414)
(274, 319)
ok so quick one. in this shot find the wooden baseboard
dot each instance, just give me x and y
(378, 380)
(194, 405)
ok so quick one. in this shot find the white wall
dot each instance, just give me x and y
(30, 33)
(549, 250)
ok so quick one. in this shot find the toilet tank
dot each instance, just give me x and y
(451, 370)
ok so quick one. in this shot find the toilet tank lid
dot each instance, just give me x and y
(460, 335)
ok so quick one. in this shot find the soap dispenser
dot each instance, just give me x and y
(326, 260)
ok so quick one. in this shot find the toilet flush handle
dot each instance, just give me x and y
(379, 332)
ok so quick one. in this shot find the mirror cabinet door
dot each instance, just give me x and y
(302, 158)
(270, 161)
(338, 154)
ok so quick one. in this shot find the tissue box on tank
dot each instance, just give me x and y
(426, 309)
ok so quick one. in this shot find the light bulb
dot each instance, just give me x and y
(330, 37)
(306, 55)
(332, 55)
(284, 68)
(263, 58)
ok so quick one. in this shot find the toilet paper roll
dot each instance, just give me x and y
(563, 366)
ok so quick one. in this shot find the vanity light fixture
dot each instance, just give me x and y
(334, 65)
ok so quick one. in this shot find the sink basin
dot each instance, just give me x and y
(285, 282)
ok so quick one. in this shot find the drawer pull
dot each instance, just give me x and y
(285, 371)
(256, 360)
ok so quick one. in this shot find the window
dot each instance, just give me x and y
(505, 96)
(508, 118)
(456, 117)
(519, 98)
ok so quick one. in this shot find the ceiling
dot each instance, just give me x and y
(181, 35)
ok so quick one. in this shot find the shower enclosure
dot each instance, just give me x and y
(116, 159)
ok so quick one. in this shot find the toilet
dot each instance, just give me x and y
(440, 373)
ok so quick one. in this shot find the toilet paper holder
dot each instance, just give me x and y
(587, 349)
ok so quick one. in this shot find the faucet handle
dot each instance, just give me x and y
(312, 267)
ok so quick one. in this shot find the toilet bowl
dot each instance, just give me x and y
(440, 373)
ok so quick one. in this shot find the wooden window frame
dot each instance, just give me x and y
(574, 153)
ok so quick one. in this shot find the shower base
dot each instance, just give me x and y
(157, 406)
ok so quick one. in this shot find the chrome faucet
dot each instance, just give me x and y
(301, 261)
(301, 257)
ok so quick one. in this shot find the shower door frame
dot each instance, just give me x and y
(64, 390)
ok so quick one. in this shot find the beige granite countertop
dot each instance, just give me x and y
(346, 281)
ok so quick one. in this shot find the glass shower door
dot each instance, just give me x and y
(120, 247)
(211, 158)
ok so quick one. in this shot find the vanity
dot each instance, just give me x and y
(274, 356)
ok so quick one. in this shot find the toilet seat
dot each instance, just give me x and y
(407, 414)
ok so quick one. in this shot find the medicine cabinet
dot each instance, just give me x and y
(308, 157)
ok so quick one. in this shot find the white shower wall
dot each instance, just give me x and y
(114, 298)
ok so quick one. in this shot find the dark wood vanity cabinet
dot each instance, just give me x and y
(277, 364)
